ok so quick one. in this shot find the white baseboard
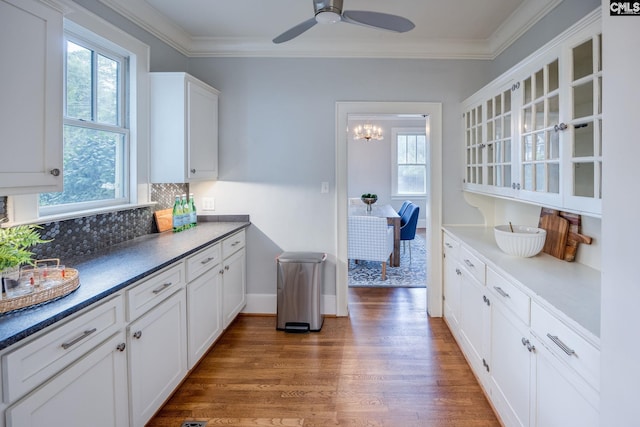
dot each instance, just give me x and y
(268, 303)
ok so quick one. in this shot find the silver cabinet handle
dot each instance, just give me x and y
(221, 271)
(560, 127)
(469, 263)
(162, 288)
(501, 291)
(458, 272)
(226, 267)
(137, 334)
(563, 346)
(193, 171)
(121, 346)
(85, 334)
(236, 243)
(527, 343)
(55, 172)
(205, 261)
(486, 300)
(447, 244)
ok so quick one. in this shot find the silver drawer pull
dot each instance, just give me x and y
(237, 242)
(563, 346)
(86, 333)
(205, 261)
(469, 263)
(162, 288)
(501, 291)
(448, 245)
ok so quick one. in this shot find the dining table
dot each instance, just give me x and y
(383, 211)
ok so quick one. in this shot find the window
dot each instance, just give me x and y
(95, 136)
(409, 162)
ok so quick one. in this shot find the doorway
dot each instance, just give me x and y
(433, 113)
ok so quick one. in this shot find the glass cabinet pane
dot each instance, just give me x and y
(528, 177)
(583, 140)
(540, 146)
(507, 126)
(553, 76)
(498, 105)
(539, 118)
(489, 109)
(583, 179)
(527, 120)
(507, 100)
(583, 100)
(583, 60)
(527, 90)
(553, 178)
(554, 144)
(540, 177)
(528, 148)
(553, 110)
(539, 82)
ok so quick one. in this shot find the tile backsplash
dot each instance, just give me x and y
(75, 239)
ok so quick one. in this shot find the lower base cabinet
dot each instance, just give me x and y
(204, 308)
(92, 391)
(157, 344)
(234, 295)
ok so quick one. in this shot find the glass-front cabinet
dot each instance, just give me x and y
(534, 134)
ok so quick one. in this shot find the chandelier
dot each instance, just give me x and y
(368, 132)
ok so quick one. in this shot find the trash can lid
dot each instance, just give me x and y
(316, 257)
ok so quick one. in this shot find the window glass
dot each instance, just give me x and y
(95, 144)
(411, 163)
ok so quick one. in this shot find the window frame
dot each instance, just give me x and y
(395, 132)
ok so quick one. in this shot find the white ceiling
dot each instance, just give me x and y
(478, 29)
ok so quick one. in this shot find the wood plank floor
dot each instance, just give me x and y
(388, 364)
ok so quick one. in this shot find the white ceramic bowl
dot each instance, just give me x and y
(524, 241)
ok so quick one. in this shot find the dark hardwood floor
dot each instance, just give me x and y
(388, 364)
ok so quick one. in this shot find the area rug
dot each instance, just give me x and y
(408, 275)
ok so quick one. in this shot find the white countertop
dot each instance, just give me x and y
(568, 289)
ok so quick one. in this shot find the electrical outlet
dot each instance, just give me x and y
(208, 204)
(324, 187)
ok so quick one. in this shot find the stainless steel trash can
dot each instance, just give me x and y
(299, 291)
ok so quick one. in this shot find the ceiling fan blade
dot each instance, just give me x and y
(384, 21)
(295, 31)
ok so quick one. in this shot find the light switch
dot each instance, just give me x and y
(208, 204)
(324, 188)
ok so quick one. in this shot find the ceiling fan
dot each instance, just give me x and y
(330, 12)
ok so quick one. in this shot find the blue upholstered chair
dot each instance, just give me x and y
(403, 208)
(409, 223)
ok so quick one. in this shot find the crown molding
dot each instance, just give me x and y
(148, 18)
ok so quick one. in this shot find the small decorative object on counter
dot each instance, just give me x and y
(177, 215)
(369, 199)
(186, 213)
(192, 206)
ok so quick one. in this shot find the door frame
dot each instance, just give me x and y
(434, 202)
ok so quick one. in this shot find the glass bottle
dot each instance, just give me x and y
(192, 207)
(176, 215)
(186, 213)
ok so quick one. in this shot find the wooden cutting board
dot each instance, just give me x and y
(164, 220)
(557, 233)
(574, 238)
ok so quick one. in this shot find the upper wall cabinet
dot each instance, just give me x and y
(534, 134)
(31, 100)
(184, 129)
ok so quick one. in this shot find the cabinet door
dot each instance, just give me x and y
(92, 391)
(510, 366)
(474, 324)
(584, 123)
(31, 101)
(474, 145)
(452, 275)
(234, 295)
(157, 356)
(562, 397)
(202, 132)
(204, 308)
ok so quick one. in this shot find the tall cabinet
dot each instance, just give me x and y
(184, 128)
(534, 134)
(31, 101)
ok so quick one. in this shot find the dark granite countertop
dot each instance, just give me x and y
(113, 269)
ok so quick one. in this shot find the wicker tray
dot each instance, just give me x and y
(69, 284)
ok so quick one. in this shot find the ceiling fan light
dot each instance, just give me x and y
(327, 17)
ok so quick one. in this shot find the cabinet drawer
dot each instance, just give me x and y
(232, 243)
(30, 365)
(152, 291)
(512, 297)
(473, 264)
(451, 246)
(566, 344)
(203, 261)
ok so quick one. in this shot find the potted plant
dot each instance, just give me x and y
(15, 243)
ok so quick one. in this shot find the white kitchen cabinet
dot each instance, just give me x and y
(452, 275)
(157, 344)
(561, 397)
(511, 351)
(184, 129)
(31, 101)
(233, 272)
(92, 391)
(534, 134)
(204, 302)
(536, 369)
